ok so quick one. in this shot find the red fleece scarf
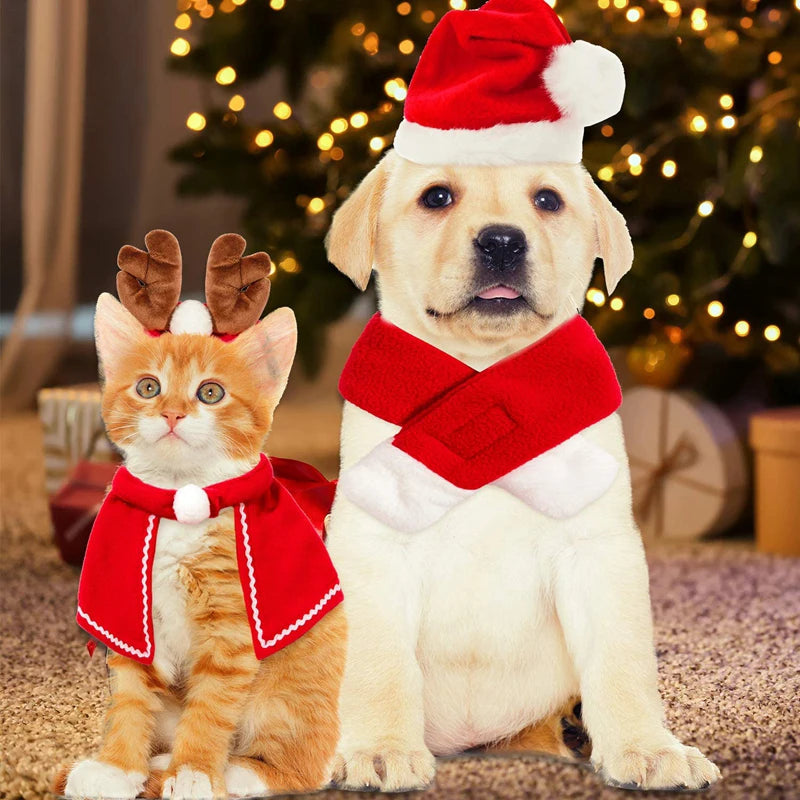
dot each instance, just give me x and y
(474, 427)
(288, 580)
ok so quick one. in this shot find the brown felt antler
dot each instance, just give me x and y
(237, 287)
(149, 283)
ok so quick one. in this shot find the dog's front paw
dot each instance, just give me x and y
(187, 783)
(95, 779)
(664, 763)
(386, 769)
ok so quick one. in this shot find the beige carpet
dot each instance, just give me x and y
(727, 628)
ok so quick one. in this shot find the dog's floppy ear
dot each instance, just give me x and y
(614, 244)
(351, 239)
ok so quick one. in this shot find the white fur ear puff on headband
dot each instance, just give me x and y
(191, 316)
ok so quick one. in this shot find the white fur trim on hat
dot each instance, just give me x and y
(585, 81)
(191, 505)
(191, 316)
(519, 142)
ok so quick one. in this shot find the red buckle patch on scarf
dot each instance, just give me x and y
(480, 432)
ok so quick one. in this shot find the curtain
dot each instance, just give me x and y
(51, 191)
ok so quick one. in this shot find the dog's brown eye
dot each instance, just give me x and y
(437, 197)
(547, 200)
(148, 388)
(210, 393)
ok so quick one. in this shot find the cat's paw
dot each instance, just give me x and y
(189, 784)
(241, 781)
(664, 764)
(95, 779)
(160, 762)
(388, 770)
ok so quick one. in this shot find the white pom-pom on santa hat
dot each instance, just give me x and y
(191, 505)
(191, 316)
(586, 82)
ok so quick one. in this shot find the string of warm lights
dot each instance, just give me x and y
(715, 309)
(695, 122)
(326, 141)
(394, 88)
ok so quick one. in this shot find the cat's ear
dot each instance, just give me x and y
(269, 347)
(116, 333)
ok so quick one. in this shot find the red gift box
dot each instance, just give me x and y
(74, 506)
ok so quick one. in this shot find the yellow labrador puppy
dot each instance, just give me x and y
(483, 626)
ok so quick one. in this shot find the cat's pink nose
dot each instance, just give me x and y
(172, 418)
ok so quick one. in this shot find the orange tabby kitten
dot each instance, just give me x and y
(233, 725)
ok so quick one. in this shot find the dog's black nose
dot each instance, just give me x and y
(501, 247)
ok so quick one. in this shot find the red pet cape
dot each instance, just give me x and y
(288, 580)
(471, 427)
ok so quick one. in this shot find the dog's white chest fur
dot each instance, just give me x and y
(175, 543)
(480, 583)
(490, 647)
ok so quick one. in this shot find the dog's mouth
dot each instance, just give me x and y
(499, 292)
(499, 300)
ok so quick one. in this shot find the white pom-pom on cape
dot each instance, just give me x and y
(191, 505)
(191, 316)
(585, 81)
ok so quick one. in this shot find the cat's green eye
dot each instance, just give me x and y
(148, 388)
(210, 393)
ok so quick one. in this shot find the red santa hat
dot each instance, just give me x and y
(505, 84)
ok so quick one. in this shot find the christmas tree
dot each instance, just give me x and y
(703, 160)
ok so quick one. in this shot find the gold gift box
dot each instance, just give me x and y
(73, 430)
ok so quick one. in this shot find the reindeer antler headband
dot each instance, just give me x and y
(237, 286)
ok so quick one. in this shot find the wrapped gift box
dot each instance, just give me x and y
(775, 437)
(79, 463)
(73, 431)
(688, 470)
(74, 506)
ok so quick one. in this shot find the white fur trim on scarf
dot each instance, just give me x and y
(191, 505)
(404, 494)
(517, 143)
(564, 480)
(191, 316)
(398, 490)
(585, 81)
